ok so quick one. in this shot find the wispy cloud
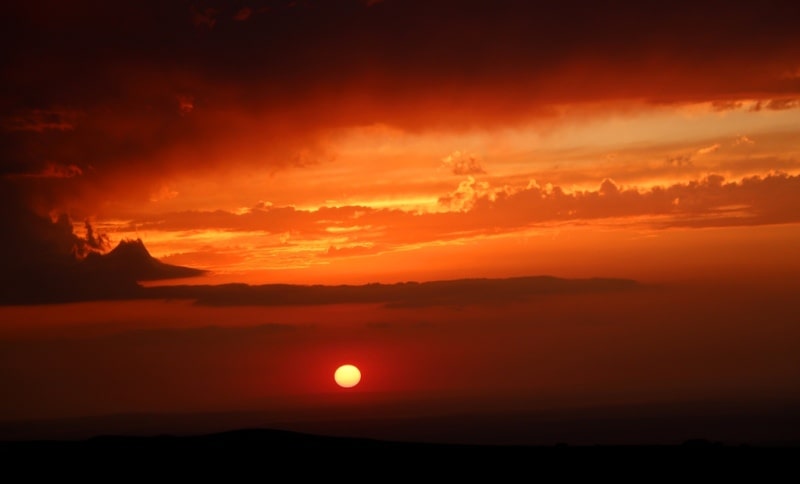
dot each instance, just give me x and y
(52, 170)
(41, 120)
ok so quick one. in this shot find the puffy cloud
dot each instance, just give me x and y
(476, 208)
(464, 197)
(462, 163)
(778, 104)
(781, 104)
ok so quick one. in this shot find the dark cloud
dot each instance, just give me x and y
(243, 14)
(204, 18)
(143, 90)
(40, 120)
(45, 260)
(51, 170)
(38, 253)
(459, 292)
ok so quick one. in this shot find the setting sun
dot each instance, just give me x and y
(347, 376)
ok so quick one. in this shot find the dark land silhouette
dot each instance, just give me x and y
(403, 294)
(117, 276)
(96, 277)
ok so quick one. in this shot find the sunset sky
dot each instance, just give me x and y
(359, 141)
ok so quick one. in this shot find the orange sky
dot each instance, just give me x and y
(352, 141)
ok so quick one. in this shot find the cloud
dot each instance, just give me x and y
(687, 160)
(464, 197)
(41, 120)
(726, 105)
(708, 149)
(52, 170)
(778, 104)
(40, 254)
(185, 103)
(478, 209)
(45, 259)
(163, 193)
(125, 110)
(204, 18)
(680, 161)
(273, 236)
(462, 163)
(243, 13)
(91, 242)
(352, 250)
(782, 104)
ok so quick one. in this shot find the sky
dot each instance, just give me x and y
(355, 141)
(383, 141)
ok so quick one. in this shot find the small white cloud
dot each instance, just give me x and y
(708, 149)
(163, 193)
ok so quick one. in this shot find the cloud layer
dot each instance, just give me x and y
(475, 210)
(146, 89)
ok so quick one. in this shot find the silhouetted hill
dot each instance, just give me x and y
(130, 260)
(263, 443)
(404, 294)
(115, 275)
(140, 440)
(97, 277)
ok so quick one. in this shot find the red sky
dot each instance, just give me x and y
(327, 142)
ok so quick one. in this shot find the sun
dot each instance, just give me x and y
(347, 376)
